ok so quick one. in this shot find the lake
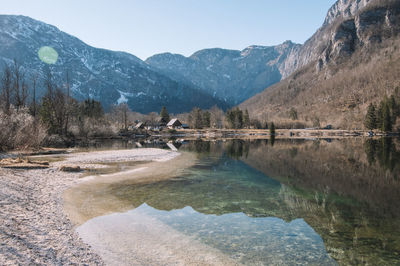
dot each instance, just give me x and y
(260, 202)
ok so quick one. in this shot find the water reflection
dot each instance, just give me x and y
(347, 191)
(251, 241)
(237, 148)
(272, 140)
(384, 151)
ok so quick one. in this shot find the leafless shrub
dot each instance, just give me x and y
(93, 128)
(286, 124)
(19, 130)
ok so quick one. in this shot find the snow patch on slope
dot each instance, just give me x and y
(123, 97)
(88, 66)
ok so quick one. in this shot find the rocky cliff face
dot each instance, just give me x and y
(344, 9)
(108, 76)
(348, 63)
(230, 75)
(349, 24)
(370, 25)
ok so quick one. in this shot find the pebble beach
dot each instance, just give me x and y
(34, 227)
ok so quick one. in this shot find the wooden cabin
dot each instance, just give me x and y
(174, 123)
(139, 125)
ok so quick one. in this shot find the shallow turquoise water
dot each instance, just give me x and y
(262, 240)
(291, 203)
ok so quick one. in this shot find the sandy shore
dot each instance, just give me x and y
(92, 196)
(34, 228)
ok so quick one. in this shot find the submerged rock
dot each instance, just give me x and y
(69, 168)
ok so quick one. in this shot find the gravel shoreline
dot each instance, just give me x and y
(34, 229)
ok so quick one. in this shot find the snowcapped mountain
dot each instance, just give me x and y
(108, 76)
(208, 77)
(230, 75)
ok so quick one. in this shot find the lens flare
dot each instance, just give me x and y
(48, 55)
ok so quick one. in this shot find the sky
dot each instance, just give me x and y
(148, 27)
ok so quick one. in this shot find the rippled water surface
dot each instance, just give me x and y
(260, 202)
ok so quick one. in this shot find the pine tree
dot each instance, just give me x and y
(386, 118)
(378, 116)
(197, 118)
(206, 119)
(164, 115)
(394, 108)
(246, 119)
(293, 113)
(235, 118)
(91, 108)
(370, 119)
(272, 133)
(238, 118)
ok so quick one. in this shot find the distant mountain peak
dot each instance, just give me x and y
(231, 75)
(345, 9)
(104, 75)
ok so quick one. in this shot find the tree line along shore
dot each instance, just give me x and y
(31, 121)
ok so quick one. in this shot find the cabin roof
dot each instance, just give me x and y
(173, 122)
(139, 125)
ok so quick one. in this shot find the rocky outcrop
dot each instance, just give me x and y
(344, 9)
(346, 65)
(350, 25)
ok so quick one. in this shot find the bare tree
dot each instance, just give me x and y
(217, 117)
(19, 86)
(153, 118)
(6, 83)
(49, 84)
(120, 113)
(135, 116)
(59, 109)
(53, 106)
(125, 110)
(67, 104)
(34, 84)
(24, 93)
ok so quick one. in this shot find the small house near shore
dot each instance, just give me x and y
(139, 125)
(174, 123)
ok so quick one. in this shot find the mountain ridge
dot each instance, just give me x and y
(356, 65)
(208, 77)
(289, 58)
(231, 75)
(96, 73)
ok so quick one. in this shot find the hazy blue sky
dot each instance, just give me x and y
(147, 27)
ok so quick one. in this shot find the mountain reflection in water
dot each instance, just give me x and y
(347, 191)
